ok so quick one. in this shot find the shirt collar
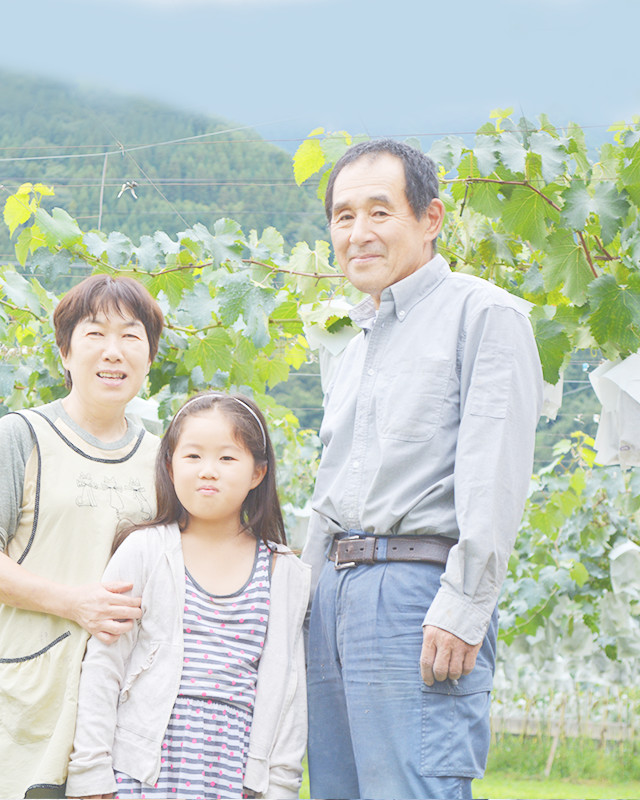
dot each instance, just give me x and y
(364, 314)
(404, 294)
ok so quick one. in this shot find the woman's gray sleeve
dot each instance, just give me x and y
(16, 445)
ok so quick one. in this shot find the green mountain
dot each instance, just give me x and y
(98, 150)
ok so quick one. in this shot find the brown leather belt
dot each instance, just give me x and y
(353, 550)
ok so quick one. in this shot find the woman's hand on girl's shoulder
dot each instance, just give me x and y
(104, 610)
(93, 796)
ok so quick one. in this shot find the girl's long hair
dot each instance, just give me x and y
(260, 513)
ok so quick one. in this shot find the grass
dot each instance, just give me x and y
(506, 786)
(582, 770)
(512, 786)
(574, 759)
(304, 789)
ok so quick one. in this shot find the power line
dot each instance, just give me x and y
(121, 149)
(101, 150)
(224, 182)
(283, 140)
(171, 181)
(224, 212)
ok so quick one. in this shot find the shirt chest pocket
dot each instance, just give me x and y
(411, 399)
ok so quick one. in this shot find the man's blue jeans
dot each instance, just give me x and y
(375, 729)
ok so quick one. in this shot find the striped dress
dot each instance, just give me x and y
(206, 743)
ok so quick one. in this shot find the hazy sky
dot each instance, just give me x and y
(393, 67)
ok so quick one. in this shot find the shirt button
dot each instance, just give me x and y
(401, 314)
(356, 464)
(370, 372)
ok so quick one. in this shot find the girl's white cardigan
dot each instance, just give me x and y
(127, 689)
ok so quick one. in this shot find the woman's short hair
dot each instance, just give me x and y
(106, 293)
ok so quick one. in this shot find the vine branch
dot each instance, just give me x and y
(537, 612)
(548, 200)
(587, 253)
(607, 255)
(12, 307)
(270, 267)
(526, 184)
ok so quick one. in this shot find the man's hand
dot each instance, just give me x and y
(445, 655)
(104, 609)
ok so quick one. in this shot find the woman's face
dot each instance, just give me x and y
(108, 359)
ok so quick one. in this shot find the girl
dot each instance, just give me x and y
(206, 696)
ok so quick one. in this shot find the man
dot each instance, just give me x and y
(428, 440)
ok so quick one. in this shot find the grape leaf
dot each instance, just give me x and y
(615, 317)
(58, 227)
(308, 159)
(551, 152)
(553, 347)
(211, 353)
(525, 214)
(565, 265)
(511, 152)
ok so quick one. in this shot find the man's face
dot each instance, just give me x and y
(376, 237)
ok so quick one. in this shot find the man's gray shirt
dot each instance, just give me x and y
(429, 428)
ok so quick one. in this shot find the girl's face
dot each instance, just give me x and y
(212, 472)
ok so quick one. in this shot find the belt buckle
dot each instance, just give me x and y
(347, 564)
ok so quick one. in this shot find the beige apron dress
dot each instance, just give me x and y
(75, 497)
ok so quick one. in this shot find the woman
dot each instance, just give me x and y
(71, 472)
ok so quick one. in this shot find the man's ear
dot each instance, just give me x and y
(434, 218)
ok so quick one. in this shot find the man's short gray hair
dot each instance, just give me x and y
(420, 172)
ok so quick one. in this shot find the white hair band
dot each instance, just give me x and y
(229, 397)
